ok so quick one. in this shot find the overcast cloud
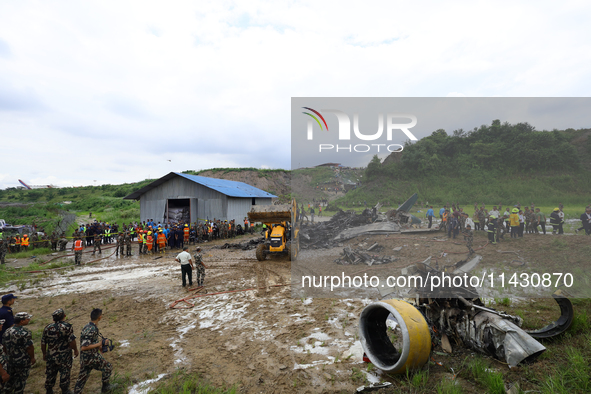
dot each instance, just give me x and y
(110, 91)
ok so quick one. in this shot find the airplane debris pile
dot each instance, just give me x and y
(360, 256)
(322, 234)
(456, 314)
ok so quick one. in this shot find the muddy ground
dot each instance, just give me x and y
(260, 340)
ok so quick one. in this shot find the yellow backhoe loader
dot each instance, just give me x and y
(282, 229)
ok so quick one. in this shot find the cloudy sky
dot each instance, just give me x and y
(108, 92)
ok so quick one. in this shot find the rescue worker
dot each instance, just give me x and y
(119, 245)
(12, 245)
(199, 266)
(186, 234)
(4, 376)
(57, 342)
(492, 230)
(63, 242)
(555, 220)
(3, 250)
(18, 243)
(514, 222)
(149, 242)
(140, 240)
(444, 220)
(78, 247)
(469, 238)
(161, 241)
(127, 240)
(97, 242)
(90, 356)
(17, 341)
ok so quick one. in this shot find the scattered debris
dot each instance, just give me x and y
(359, 256)
(252, 244)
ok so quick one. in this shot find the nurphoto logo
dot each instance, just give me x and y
(344, 132)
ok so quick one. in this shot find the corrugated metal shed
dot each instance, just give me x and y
(203, 198)
(229, 188)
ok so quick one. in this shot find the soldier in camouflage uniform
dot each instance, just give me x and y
(500, 229)
(53, 240)
(482, 219)
(18, 343)
(90, 357)
(527, 217)
(3, 250)
(78, 247)
(63, 242)
(3, 362)
(34, 241)
(57, 343)
(127, 239)
(199, 266)
(119, 246)
(97, 242)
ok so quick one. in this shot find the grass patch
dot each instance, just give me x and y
(572, 377)
(447, 386)
(492, 381)
(21, 277)
(503, 301)
(187, 383)
(29, 253)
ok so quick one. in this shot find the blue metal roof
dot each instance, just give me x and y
(229, 188)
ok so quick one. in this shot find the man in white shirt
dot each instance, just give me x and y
(186, 265)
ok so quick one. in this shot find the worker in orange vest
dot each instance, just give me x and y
(25, 242)
(444, 220)
(78, 247)
(150, 242)
(18, 243)
(161, 241)
(186, 234)
(140, 240)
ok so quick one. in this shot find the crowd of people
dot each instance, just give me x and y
(150, 236)
(58, 346)
(513, 220)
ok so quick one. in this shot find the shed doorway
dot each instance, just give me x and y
(178, 210)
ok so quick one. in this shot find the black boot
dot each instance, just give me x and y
(66, 390)
(48, 390)
(108, 387)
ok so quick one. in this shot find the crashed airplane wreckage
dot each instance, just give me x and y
(458, 314)
(346, 225)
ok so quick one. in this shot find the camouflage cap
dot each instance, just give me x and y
(23, 316)
(58, 312)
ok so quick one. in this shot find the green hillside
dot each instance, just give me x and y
(500, 162)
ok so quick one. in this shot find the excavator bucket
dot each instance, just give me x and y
(271, 213)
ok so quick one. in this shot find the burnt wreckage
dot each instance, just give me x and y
(346, 225)
(450, 315)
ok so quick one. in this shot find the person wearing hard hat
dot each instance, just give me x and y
(186, 234)
(149, 242)
(514, 222)
(555, 220)
(492, 229)
(161, 241)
